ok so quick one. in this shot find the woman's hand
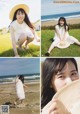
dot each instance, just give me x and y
(55, 107)
(25, 86)
(38, 40)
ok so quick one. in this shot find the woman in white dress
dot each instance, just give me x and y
(19, 82)
(62, 35)
(21, 29)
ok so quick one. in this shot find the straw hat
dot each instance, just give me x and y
(23, 6)
(63, 44)
(69, 96)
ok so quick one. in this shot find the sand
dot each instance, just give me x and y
(69, 21)
(32, 101)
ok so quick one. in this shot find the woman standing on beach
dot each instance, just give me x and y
(62, 36)
(56, 73)
(21, 29)
(20, 89)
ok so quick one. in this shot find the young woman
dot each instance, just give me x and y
(19, 82)
(62, 35)
(21, 29)
(56, 73)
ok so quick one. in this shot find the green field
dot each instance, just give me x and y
(73, 50)
(7, 51)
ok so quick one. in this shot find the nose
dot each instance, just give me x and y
(68, 80)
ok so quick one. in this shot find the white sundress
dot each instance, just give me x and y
(21, 29)
(61, 31)
(20, 89)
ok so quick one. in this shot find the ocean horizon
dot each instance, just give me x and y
(57, 16)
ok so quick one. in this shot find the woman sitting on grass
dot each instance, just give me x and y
(56, 73)
(62, 35)
(21, 29)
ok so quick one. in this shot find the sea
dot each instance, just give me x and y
(27, 78)
(57, 16)
(53, 11)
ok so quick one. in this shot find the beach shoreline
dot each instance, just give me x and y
(32, 100)
(70, 21)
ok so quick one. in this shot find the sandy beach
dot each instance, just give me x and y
(69, 21)
(31, 103)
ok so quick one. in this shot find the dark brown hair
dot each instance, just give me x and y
(27, 21)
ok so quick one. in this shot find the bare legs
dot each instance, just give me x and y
(51, 47)
(18, 101)
(74, 40)
(23, 39)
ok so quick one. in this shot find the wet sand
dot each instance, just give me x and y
(32, 101)
(69, 21)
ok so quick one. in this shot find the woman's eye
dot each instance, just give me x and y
(74, 74)
(61, 77)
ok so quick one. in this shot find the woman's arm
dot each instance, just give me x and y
(64, 35)
(13, 41)
(57, 32)
(63, 39)
(25, 85)
(17, 79)
(35, 35)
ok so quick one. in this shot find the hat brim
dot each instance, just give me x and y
(63, 45)
(70, 97)
(23, 6)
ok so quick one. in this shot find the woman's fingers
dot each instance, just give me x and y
(53, 107)
(54, 112)
(50, 107)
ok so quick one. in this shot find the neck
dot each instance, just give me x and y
(20, 22)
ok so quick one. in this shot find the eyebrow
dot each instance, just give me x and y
(60, 73)
(74, 70)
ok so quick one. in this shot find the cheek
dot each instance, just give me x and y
(58, 84)
(17, 16)
(23, 16)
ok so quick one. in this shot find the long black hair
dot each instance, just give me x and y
(21, 77)
(50, 68)
(27, 21)
(66, 27)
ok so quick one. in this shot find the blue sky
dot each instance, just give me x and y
(48, 7)
(15, 66)
(6, 6)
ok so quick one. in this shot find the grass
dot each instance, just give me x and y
(7, 51)
(72, 51)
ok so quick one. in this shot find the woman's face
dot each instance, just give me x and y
(20, 17)
(61, 22)
(65, 76)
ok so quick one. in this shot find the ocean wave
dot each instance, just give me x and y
(12, 79)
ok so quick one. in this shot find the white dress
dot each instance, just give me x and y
(61, 31)
(20, 89)
(21, 29)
